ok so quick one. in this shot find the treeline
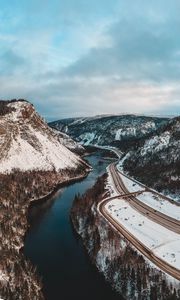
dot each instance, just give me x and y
(4, 108)
(125, 269)
(159, 165)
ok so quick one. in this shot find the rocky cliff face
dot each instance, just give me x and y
(123, 267)
(33, 163)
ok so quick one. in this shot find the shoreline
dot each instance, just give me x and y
(58, 186)
(41, 200)
(21, 206)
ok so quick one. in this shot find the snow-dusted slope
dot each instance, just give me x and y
(27, 143)
(108, 130)
(69, 143)
(155, 160)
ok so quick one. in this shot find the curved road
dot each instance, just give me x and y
(149, 212)
(156, 216)
(160, 263)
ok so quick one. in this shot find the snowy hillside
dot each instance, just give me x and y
(28, 143)
(69, 143)
(156, 160)
(108, 130)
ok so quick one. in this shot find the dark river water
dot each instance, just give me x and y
(53, 246)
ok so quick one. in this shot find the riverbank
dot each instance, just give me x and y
(59, 186)
(18, 278)
(57, 251)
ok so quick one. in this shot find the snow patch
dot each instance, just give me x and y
(156, 143)
(87, 138)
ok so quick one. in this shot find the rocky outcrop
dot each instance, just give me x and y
(123, 267)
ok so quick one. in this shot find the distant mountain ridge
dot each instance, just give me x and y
(108, 130)
(150, 145)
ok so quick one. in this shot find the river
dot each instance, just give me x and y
(53, 246)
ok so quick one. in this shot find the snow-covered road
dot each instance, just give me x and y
(150, 222)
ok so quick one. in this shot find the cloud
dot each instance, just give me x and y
(10, 62)
(81, 58)
(142, 49)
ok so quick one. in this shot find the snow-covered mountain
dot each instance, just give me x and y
(108, 130)
(28, 143)
(156, 158)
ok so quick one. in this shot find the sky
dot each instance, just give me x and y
(75, 58)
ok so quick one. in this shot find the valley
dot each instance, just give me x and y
(129, 230)
(89, 150)
(54, 247)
